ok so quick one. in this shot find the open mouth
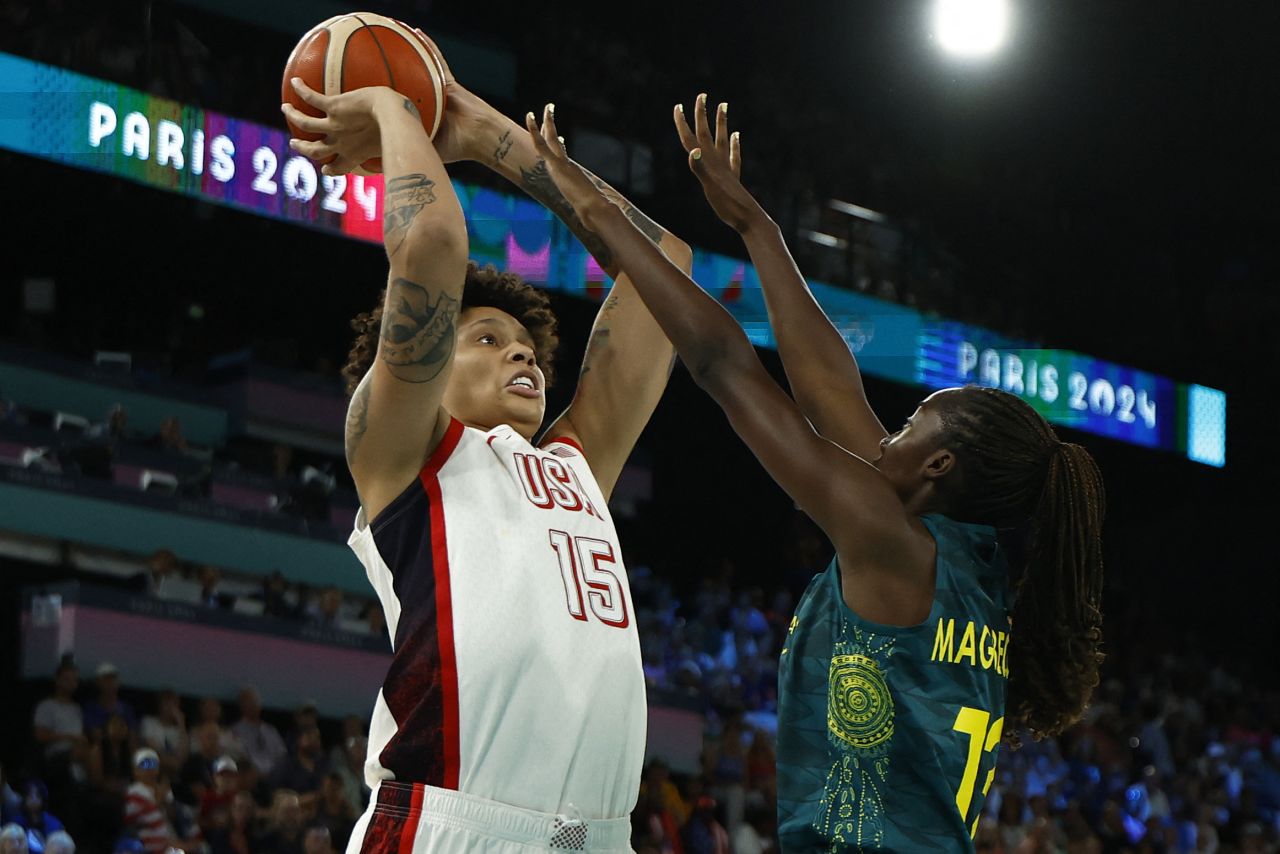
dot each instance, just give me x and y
(524, 384)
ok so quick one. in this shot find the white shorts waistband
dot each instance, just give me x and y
(565, 831)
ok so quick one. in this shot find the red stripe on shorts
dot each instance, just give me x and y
(410, 831)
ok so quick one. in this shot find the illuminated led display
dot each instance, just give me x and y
(69, 118)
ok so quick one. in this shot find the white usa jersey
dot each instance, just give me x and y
(516, 673)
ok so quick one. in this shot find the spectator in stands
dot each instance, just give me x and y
(754, 834)
(282, 461)
(59, 726)
(333, 810)
(181, 816)
(351, 769)
(114, 428)
(170, 437)
(327, 608)
(59, 842)
(108, 703)
(215, 803)
(762, 769)
(239, 835)
(145, 815)
(33, 818)
(725, 763)
(306, 717)
(162, 570)
(275, 600)
(111, 757)
(165, 732)
(197, 774)
(319, 840)
(118, 422)
(285, 828)
(377, 622)
(352, 726)
(1010, 822)
(259, 740)
(10, 803)
(211, 712)
(13, 839)
(303, 769)
(11, 412)
(210, 577)
(654, 822)
(657, 777)
(704, 834)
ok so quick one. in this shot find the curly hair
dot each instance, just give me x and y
(484, 286)
(1016, 474)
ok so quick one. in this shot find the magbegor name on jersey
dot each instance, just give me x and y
(986, 647)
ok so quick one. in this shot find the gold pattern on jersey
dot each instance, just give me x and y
(859, 706)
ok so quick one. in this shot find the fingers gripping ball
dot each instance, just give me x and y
(362, 49)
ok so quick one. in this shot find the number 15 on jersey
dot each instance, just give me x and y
(584, 558)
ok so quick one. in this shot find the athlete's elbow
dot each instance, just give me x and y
(715, 364)
(678, 252)
(434, 242)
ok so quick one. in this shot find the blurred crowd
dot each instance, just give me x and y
(277, 478)
(120, 779)
(1176, 754)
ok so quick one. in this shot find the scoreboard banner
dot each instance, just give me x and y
(92, 124)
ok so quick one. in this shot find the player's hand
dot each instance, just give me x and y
(717, 163)
(571, 179)
(461, 127)
(349, 125)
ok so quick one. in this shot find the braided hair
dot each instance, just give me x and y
(484, 286)
(1014, 473)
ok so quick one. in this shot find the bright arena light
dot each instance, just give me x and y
(970, 28)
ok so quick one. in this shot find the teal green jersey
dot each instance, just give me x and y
(887, 735)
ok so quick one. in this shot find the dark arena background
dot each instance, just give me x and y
(1082, 217)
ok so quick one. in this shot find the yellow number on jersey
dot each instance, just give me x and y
(973, 723)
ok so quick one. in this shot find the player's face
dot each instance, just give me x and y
(495, 378)
(904, 455)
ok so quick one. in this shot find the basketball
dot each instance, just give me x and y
(361, 49)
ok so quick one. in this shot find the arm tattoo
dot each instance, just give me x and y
(538, 184)
(599, 336)
(412, 110)
(648, 227)
(406, 196)
(504, 147)
(357, 419)
(417, 337)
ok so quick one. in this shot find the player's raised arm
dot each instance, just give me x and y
(395, 418)
(628, 357)
(823, 373)
(853, 502)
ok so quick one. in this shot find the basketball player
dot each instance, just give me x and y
(904, 655)
(513, 715)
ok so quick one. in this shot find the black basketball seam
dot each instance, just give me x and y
(385, 64)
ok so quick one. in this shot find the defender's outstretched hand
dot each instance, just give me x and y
(717, 163)
(574, 182)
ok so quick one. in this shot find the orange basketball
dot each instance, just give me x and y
(362, 49)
